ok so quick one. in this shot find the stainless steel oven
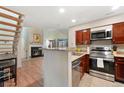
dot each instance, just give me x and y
(102, 62)
(107, 68)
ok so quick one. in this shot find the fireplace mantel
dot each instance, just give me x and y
(34, 45)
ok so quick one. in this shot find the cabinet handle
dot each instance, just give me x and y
(86, 42)
(120, 60)
(82, 42)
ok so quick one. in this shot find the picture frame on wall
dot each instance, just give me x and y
(36, 38)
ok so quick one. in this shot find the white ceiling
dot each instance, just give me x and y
(48, 17)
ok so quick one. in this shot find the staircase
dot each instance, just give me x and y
(10, 28)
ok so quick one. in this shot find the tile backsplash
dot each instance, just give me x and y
(101, 42)
(120, 47)
(84, 48)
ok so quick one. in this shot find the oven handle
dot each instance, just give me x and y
(110, 60)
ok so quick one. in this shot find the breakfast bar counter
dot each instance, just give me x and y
(57, 67)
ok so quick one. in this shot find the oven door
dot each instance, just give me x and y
(98, 35)
(108, 66)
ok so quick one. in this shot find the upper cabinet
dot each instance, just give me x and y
(79, 37)
(86, 36)
(83, 37)
(118, 33)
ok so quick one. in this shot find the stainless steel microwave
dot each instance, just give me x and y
(101, 34)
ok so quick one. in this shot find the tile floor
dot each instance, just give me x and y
(91, 81)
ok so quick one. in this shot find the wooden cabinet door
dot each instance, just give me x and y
(79, 38)
(86, 36)
(118, 33)
(84, 63)
(119, 69)
(87, 63)
(82, 67)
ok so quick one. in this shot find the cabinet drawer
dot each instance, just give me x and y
(118, 59)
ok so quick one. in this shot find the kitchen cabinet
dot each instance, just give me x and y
(119, 69)
(118, 33)
(79, 37)
(83, 37)
(84, 64)
(87, 63)
(85, 60)
(86, 36)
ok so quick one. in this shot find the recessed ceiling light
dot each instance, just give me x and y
(115, 7)
(61, 10)
(73, 20)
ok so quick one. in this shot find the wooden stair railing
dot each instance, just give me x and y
(10, 39)
(6, 40)
(6, 44)
(10, 24)
(7, 35)
(10, 17)
(8, 30)
(4, 8)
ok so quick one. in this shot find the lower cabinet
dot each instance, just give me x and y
(84, 65)
(82, 68)
(119, 69)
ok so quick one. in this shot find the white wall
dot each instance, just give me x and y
(24, 41)
(35, 31)
(110, 20)
(27, 40)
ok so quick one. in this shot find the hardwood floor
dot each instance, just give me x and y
(30, 74)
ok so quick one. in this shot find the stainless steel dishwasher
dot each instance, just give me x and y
(76, 73)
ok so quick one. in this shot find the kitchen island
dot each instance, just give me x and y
(57, 67)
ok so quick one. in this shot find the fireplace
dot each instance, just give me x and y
(36, 52)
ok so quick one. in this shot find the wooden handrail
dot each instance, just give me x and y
(6, 44)
(7, 35)
(10, 17)
(6, 48)
(5, 51)
(9, 24)
(11, 11)
(6, 40)
(8, 30)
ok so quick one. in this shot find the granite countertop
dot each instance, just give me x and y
(118, 54)
(7, 56)
(75, 57)
(58, 49)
